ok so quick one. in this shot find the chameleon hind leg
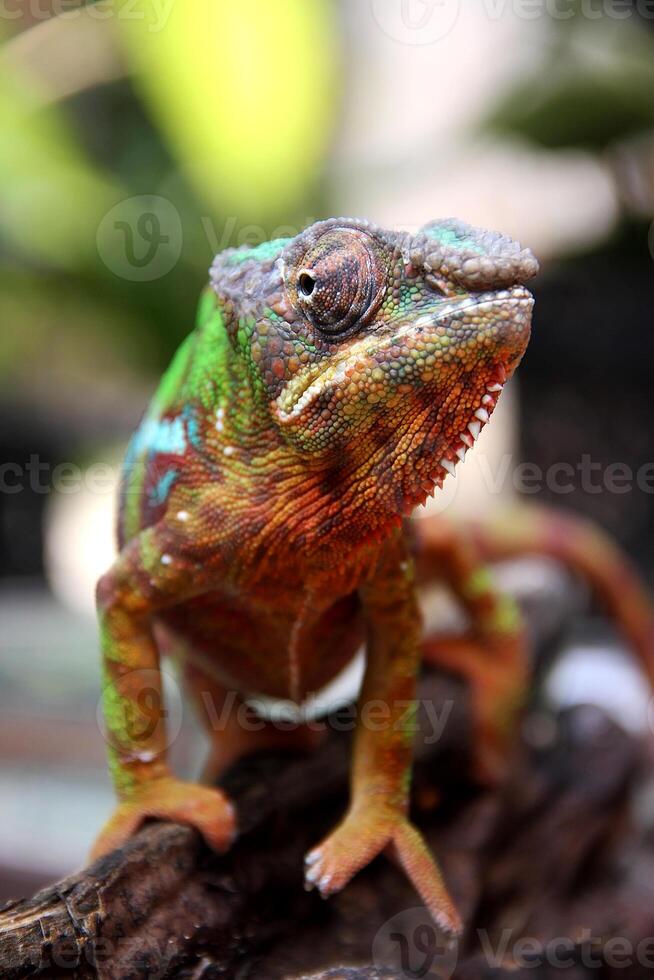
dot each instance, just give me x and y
(493, 654)
(233, 727)
(586, 551)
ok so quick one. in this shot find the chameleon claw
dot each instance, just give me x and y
(323, 885)
(312, 874)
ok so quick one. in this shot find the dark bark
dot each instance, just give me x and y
(543, 857)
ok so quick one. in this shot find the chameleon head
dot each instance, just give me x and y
(383, 353)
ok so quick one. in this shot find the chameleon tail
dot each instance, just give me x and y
(588, 552)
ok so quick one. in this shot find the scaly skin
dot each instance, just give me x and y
(332, 382)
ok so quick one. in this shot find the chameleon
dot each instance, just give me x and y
(332, 382)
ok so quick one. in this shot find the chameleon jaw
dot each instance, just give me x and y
(309, 384)
(422, 487)
(519, 298)
(517, 304)
(469, 435)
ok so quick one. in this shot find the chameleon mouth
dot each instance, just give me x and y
(516, 302)
(512, 299)
(517, 297)
(302, 390)
(468, 437)
(421, 486)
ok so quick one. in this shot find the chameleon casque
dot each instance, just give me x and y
(333, 380)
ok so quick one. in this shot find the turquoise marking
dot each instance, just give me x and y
(260, 253)
(160, 436)
(192, 427)
(159, 493)
(446, 236)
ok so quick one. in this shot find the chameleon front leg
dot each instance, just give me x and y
(377, 818)
(151, 574)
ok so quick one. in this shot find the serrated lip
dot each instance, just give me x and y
(461, 443)
(464, 441)
(469, 435)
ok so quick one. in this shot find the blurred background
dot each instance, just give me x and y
(137, 138)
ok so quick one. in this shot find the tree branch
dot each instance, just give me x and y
(163, 906)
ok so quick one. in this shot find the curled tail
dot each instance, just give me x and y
(588, 552)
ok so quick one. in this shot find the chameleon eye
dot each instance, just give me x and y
(307, 283)
(341, 282)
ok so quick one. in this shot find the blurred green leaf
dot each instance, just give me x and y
(51, 197)
(53, 331)
(245, 92)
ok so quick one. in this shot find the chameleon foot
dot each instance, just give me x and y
(208, 810)
(365, 833)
